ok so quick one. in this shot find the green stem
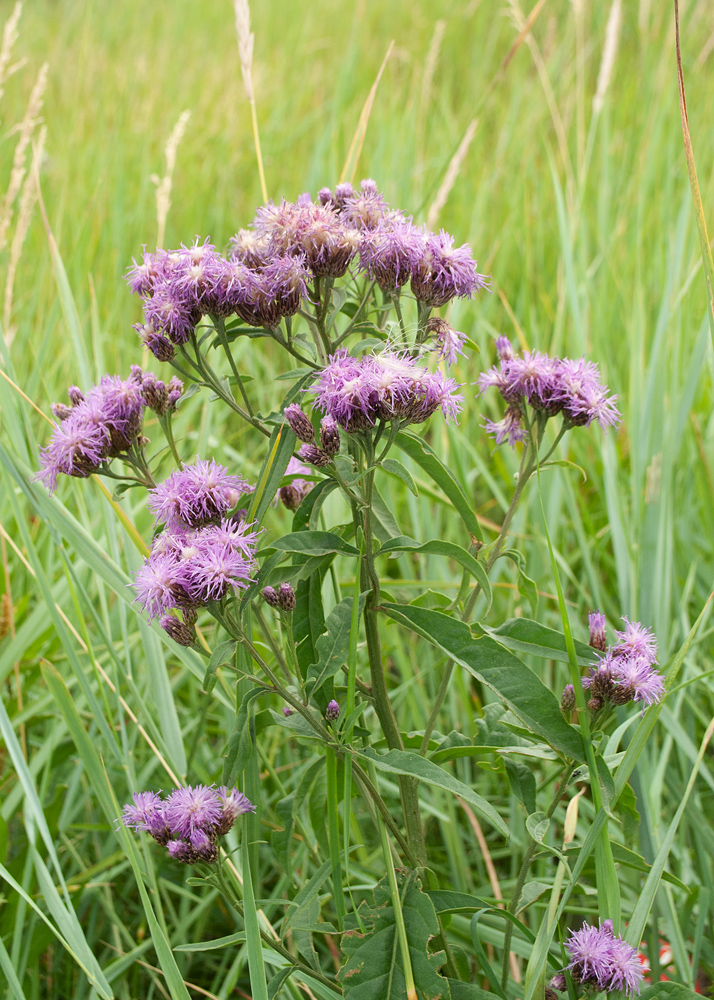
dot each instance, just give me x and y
(220, 328)
(165, 424)
(353, 322)
(398, 914)
(398, 310)
(333, 834)
(523, 873)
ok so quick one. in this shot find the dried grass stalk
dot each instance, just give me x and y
(163, 184)
(607, 64)
(17, 174)
(28, 197)
(451, 174)
(9, 37)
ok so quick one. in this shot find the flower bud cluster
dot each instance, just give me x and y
(282, 599)
(189, 821)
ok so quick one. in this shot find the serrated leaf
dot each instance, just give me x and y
(412, 764)
(425, 457)
(491, 663)
(373, 970)
(395, 468)
(333, 646)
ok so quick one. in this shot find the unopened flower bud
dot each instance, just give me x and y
(180, 632)
(76, 396)
(313, 455)
(332, 711)
(567, 699)
(155, 393)
(595, 704)
(190, 615)
(299, 423)
(270, 596)
(621, 694)
(290, 497)
(61, 410)
(286, 597)
(598, 638)
(329, 436)
(287, 711)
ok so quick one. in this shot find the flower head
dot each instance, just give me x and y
(363, 209)
(598, 636)
(637, 641)
(445, 271)
(196, 494)
(389, 253)
(603, 960)
(450, 341)
(147, 814)
(98, 427)
(190, 809)
(292, 494)
(332, 712)
(233, 804)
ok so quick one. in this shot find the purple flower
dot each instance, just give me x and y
(551, 385)
(598, 636)
(147, 814)
(637, 641)
(99, 426)
(567, 699)
(510, 428)
(327, 243)
(445, 271)
(389, 253)
(450, 341)
(234, 804)
(332, 712)
(250, 248)
(170, 312)
(315, 456)
(162, 582)
(193, 808)
(329, 436)
(274, 292)
(141, 277)
(603, 960)
(638, 674)
(387, 386)
(363, 209)
(157, 395)
(196, 494)
(216, 566)
(160, 346)
(181, 632)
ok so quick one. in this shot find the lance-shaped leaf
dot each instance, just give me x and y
(373, 970)
(412, 764)
(313, 543)
(526, 636)
(333, 647)
(437, 547)
(492, 664)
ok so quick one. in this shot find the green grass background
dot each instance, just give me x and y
(594, 254)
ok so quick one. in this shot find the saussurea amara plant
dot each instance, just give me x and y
(350, 290)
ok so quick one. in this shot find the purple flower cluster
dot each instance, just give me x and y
(356, 392)
(189, 821)
(550, 386)
(196, 495)
(627, 670)
(94, 428)
(268, 268)
(188, 568)
(602, 961)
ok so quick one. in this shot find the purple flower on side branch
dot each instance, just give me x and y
(190, 821)
(196, 494)
(444, 271)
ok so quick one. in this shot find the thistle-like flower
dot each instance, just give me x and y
(195, 495)
(98, 427)
(444, 271)
(601, 960)
(190, 821)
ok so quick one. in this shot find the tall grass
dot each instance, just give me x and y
(573, 191)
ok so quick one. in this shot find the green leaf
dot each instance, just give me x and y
(373, 969)
(312, 504)
(223, 653)
(468, 991)
(668, 991)
(281, 839)
(313, 543)
(395, 468)
(303, 899)
(526, 586)
(240, 743)
(405, 762)
(446, 901)
(280, 450)
(385, 527)
(308, 620)
(424, 456)
(332, 647)
(497, 668)
(215, 944)
(439, 548)
(522, 782)
(528, 636)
